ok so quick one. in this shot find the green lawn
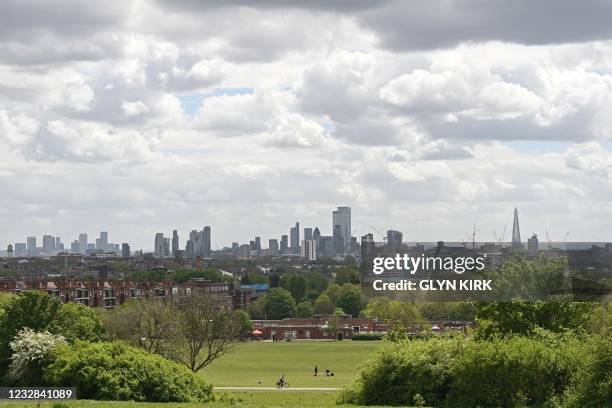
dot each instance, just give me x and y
(259, 364)
(251, 399)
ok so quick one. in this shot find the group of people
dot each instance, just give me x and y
(328, 372)
(282, 382)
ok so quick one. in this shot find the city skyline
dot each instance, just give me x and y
(201, 245)
(136, 117)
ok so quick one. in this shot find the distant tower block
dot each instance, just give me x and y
(516, 231)
(9, 251)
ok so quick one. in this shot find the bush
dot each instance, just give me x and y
(367, 336)
(32, 352)
(456, 372)
(592, 383)
(116, 371)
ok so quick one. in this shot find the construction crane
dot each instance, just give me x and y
(384, 237)
(472, 237)
(565, 238)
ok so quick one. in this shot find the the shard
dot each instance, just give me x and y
(516, 231)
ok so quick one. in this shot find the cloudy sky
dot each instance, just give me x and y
(142, 116)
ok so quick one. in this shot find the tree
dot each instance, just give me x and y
(296, 285)
(317, 282)
(346, 275)
(31, 309)
(202, 332)
(350, 299)
(256, 309)
(332, 326)
(304, 309)
(333, 291)
(244, 321)
(32, 352)
(75, 321)
(324, 305)
(403, 313)
(377, 307)
(145, 323)
(278, 304)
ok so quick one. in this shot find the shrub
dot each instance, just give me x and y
(367, 336)
(116, 371)
(456, 372)
(400, 371)
(32, 352)
(592, 383)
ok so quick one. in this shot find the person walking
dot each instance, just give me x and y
(316, 370)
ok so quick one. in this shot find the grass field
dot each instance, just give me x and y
(260, 364)
(255, 399)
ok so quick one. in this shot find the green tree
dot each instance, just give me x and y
(324, 305)
(333, 291)
(347, 275)
(256, 309)
(244, 322)
(296, 285)
(377, 307)
(77, 322)
(350, 299)
(278, 304)
(317, 282)
(304, 309)
(31, 309)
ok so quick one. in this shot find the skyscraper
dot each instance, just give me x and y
(125, 250)
(273, 247)
(294, 235)
(394, 239)
(516, 231)
(175, 242)
(104, 240)
(284, 244)
(309, 250)
(48, 244)
(341, 227)
(83, 243)
(203, 243)
(307, 234)
(21, 250)
(158, 252)
(31, 245)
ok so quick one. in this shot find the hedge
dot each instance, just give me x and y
(116, 371)
(367, 336)
(461, 372)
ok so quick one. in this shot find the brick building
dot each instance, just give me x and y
(109, 294)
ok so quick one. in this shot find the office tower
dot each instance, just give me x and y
(245, 251)
(74, 247)
(394, 239)
(235, 249)
(48, 244)
(166, 247)
(83, 243)
(309, 250)
(31, 245)
(125, 250)
(91, 248)
(190, 246)
(99, 244)
(158, 252)
(326, 247)
(532, 243)
(258, 245)
(9, 250)
(284, 245)
(341, 227)
(58, 243)
(175, 243)
(307, 234)
(104, 240)
(21, 249)
(273, 247)
(516, 231)
(206, 242)
(294, 235)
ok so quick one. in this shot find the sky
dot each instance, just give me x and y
(136, 117)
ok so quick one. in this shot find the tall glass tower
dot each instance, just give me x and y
(516, 231)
